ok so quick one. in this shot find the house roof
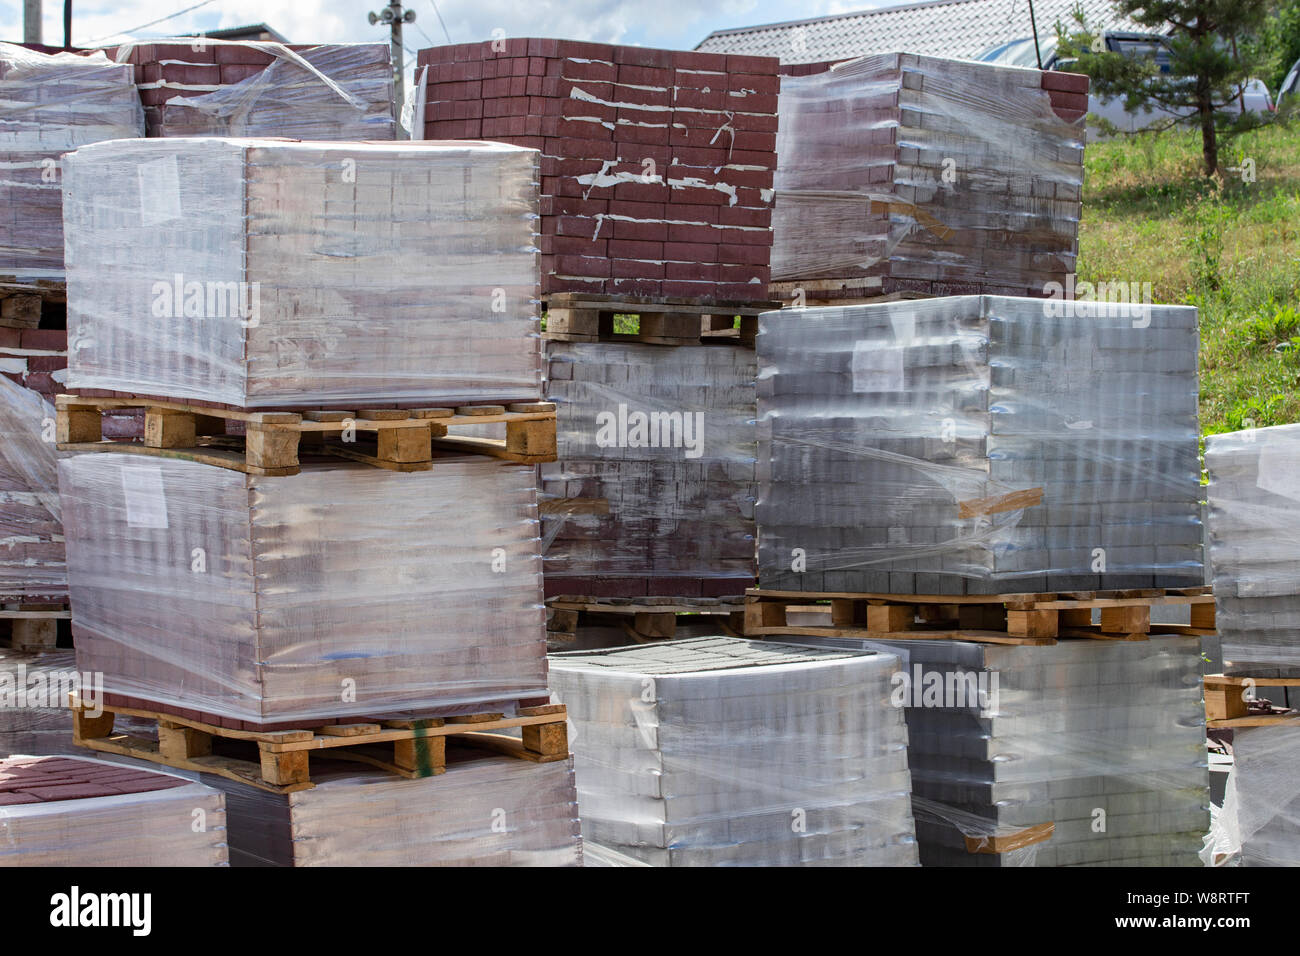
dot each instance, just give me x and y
(253, 31)
(951, 28)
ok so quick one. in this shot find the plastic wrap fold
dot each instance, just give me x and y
(196, 86)
(1103, 740)
(655, 477)
(33, 567)
(1268, 794)
(978, 444)
(718, 751)
(343, 590)
(51, 104)
(1254, 548)
(57, 811)
(926, 173)
(262, 273)
(486, 810)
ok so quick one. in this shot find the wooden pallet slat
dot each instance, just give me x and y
(1016, 618)
(394, 439)
(411, 748)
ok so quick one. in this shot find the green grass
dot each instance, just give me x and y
(1231, 250)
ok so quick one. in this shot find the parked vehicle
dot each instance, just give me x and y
(1253, 97)
(1291, 85)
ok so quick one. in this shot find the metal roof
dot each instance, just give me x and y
(951, 28)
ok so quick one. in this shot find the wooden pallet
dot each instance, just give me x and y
(1227, 702)
(1029, 619)
(24, 301)
(395, 439)
(32, 626)
(578, 317)
(645, 620)
(1005, 843)
(822, 292)
(279, 761)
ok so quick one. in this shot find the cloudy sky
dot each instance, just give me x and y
(677, 24)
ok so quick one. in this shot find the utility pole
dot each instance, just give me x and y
(31, 21)
(393, 16)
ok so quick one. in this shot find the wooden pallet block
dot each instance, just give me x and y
(411, 748)
(402, 440)
(24, 300)
(33, 627)
(1020, 618)
(1227, 701)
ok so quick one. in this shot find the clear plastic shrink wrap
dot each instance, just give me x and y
(33, 567)
(978, 444)
(263, 274)
(196, 86)
(342, 591)
(718, 751)
(486, 810)
(902, 172)
(1268, 790)
(1254, 546)
(59, 811)
(1103, 739)
(34, 713)
(52, 104)
(674, 500)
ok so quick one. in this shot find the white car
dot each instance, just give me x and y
(1253, 97)
(1291, 85)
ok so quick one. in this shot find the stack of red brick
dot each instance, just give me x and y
(657, 165)
(264, 89)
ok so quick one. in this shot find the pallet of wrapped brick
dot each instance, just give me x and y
(63, 811)
(1268, 793)
(917, 175)
(32, 563)
(342, 591)
(53, 104)
(195, 86)
(978, 445)
(717, 751)
(487, 810)
(299, 274)
(653, 489)
(1254, 545)
(1083, 753)
(657, 165)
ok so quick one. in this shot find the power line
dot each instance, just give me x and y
(431, 40)
(438, 13)
(173, 16)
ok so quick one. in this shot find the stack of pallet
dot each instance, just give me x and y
(53, 103)
(922, 176)
(962, 473)
(657, 165)
(664, 510)
(725, 752)
(978, 445)
(1254, 523)
(60, 811)
(1084, 753)
(297, 588)
(196, 86)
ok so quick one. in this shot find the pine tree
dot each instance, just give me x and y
(1211, 59)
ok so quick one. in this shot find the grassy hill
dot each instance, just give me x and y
(1232, 251)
